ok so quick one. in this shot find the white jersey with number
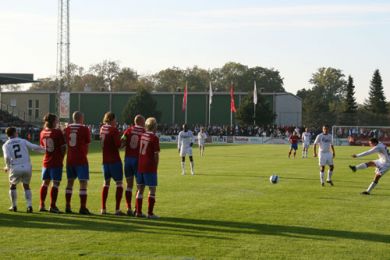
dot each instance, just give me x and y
(15, 152)
(202, 138)
(184, 141)
(306, 137)
(325, 142)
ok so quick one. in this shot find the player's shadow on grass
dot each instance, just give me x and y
(216, 226)
(212, 229)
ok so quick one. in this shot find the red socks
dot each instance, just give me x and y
(118, 196)
(104, 196)
(128, 197)
(68, 197)
(83, 198)
(53, 196)
(42, 193)
(151, 201)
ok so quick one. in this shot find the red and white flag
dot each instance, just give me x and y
(232, 106)
(184, 106)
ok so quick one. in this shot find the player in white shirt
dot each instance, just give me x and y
(201, 140)
(325, 142)
(185, 140)
(18, 165)
(306, 137)
(382, 164)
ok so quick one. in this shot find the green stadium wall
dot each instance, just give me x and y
(95, 104)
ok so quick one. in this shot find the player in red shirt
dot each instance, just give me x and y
(77, 137)
(112, 164)
(130, 140)
(52, 139)
(147, 167)
(293, 139)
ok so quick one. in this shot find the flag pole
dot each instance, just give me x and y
(254, 104)
(210, 101)
(185, 115)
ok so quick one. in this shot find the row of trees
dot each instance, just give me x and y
(109, 76)
(332, 100)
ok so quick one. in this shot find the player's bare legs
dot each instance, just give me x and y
(289, 153)
(183, 165)
(138, 201)
(129, 193)
(43, 194)
(68, 195)
(118, 198)
(151, 202)
(192, 165)
(106, 187)
(28, 197)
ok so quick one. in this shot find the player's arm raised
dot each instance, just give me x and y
(34, 147)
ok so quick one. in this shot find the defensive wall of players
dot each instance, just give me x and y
(32, 105)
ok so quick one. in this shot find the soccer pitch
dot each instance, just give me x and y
(228, 210)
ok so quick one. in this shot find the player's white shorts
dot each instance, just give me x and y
(381, 168)
(20, 173)
(325, 159)
(306, 145)
(201, 143)
(186, 151)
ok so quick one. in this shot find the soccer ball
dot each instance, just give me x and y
(274, 179)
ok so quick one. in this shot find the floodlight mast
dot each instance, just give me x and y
(63, 44)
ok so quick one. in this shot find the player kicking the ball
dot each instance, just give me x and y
(147, 167)
(18, 165)
(112, 164)
(185, 141)
(325, 142)
(130, 140)
(382, 164)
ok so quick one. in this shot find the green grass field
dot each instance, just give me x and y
(229, 210)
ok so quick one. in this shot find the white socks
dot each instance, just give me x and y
(329, 175)
(371, 187)
(361, 166)
(28, 196)
(183, 168)
(192, 168)
(322, 177)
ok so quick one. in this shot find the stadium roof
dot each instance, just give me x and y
(16, 78)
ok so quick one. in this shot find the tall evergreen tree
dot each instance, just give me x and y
(377, 101)
(350, 101)
(141, 103)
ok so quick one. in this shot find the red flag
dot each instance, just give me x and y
(232, 106)
(184, 106)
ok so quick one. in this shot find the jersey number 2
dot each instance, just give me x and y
(16, 148)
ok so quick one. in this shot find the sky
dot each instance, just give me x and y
(294, 37)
